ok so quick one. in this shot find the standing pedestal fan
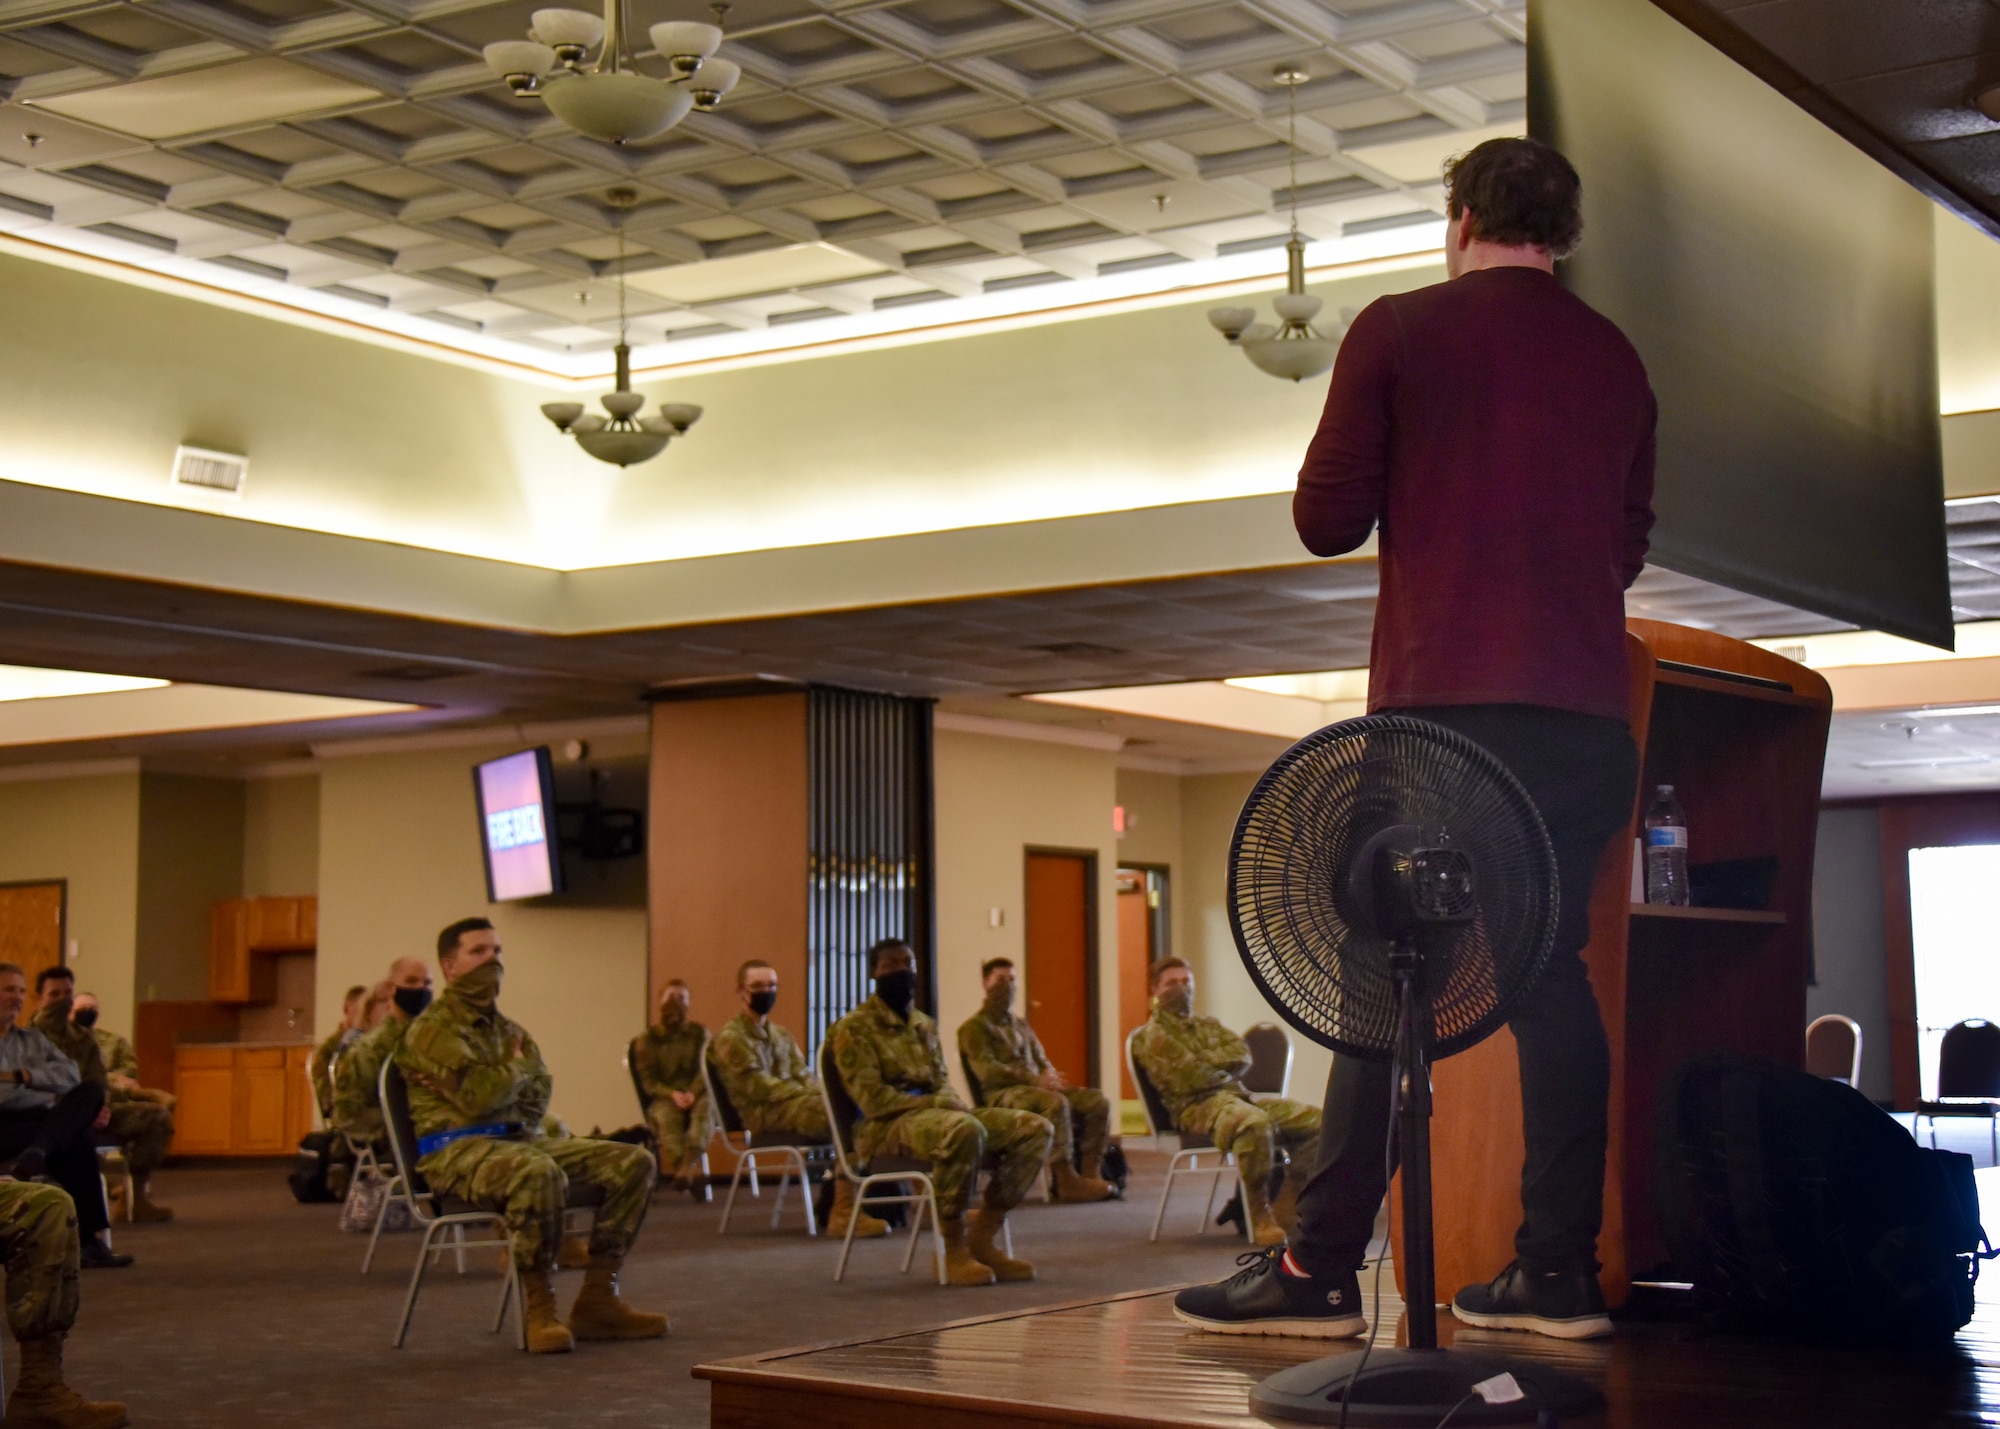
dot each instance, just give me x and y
(1393, 893)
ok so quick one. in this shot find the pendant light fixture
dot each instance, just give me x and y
(624, 437)
(610, 99)
(1294, 348)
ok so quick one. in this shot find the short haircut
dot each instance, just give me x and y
(359, 990)
(57, 973)
(448, 939)
(1521, 193)
(986, 968)
(14, 968)
(671, 983)
(1164, 966)
(883, 948)
(749, 966)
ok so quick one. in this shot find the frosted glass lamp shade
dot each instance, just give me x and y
(623, 447)
(563, 414)
(1296, 358)
(1256, 332)
(681, 414)
(617, 108)
(1230, 322)
(562, 28)
(622, 404)
(589, 422)
(685, 43)
(1296, 307)
(508, 58)
(717, 78)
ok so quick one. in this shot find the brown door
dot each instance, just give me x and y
(1058, 938)
(1135, 957)
(31, 925)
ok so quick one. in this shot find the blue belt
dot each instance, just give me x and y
(438, 1140)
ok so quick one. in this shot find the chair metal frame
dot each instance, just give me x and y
(891, 1169)
(1188, 1160)
(1284, 1075)
(402, 1146)
(1853, 1077)
(1974, 1108)
(790, 1154)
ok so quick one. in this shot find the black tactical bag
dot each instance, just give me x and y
(317, 1154)
(1796, 1205)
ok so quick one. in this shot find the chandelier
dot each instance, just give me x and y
(1293, 348)
(609, 99)
(624, 437)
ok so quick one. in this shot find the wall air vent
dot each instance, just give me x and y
(217, 473)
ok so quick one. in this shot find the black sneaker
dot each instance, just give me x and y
(1261, 1299)
(31, 1163)
(96, 1255)
(1567, 1304)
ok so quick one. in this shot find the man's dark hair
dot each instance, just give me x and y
(885, 947)
(1521, 193)
(448, 939)
(749, 966)
(53, 974)
(1159, 969)
(986, 968)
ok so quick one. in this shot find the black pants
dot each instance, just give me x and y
(64, 1135)
(1581, 771)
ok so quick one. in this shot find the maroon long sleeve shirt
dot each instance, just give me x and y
(1500, 431)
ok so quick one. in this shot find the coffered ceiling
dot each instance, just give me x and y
(884, 164)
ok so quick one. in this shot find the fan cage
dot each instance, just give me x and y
(1307, 948)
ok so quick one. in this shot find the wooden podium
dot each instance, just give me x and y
(1741, 735)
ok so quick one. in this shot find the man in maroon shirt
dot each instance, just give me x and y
(1499, 433)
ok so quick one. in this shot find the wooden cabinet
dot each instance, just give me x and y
(243, 932)
(241, 1101)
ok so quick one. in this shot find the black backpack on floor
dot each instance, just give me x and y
(1797, 1205)
(318, 1153)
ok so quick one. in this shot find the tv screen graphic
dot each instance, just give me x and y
(517, 825)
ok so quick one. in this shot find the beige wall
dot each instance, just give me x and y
(1152, 804)
(190, 856)
(399, 859)
(996, 798)
(84, 830)
(281, 836)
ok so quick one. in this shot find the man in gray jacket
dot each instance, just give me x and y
(48, 1119)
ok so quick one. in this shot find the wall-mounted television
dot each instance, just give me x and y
(517, 825)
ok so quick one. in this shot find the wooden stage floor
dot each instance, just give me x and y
(1124, 1362)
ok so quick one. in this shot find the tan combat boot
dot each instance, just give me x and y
(547, 1335)
(1264, 1227)
(1070, 1186)
(866, 1227)
(983, 1241)
(42, 1401)
(143, 1208)
(960, 1268)
(599, 1314)
(573, 1252)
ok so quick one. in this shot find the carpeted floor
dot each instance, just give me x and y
(250, 1309)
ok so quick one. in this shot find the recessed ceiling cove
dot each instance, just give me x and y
(881, 167)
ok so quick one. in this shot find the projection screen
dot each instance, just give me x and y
(1778, 284)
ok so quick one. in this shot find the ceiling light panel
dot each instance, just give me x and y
(958, 131)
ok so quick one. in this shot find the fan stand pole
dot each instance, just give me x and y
(1419, 1386)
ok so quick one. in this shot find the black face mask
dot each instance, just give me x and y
(412, 1000)
(86, 1018)
(898, 989)
(761, 1003)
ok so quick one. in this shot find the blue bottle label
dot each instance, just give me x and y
(1666, 838)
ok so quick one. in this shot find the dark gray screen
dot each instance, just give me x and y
(1778, 284)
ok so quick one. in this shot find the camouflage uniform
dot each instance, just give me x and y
(38, 1247)
(1006, 1058)
(142, 1129)
(894, 1072)
(668, 1059)
(319, 1067)
(766, 1078)
(469, 1066)
(1196, 1064)
(142, 1118)
(357, 1084)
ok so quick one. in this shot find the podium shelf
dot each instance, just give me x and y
(1706, 915)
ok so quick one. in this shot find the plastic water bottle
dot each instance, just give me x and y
(1666, 850)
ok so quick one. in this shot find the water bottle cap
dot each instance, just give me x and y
(1666, 788)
